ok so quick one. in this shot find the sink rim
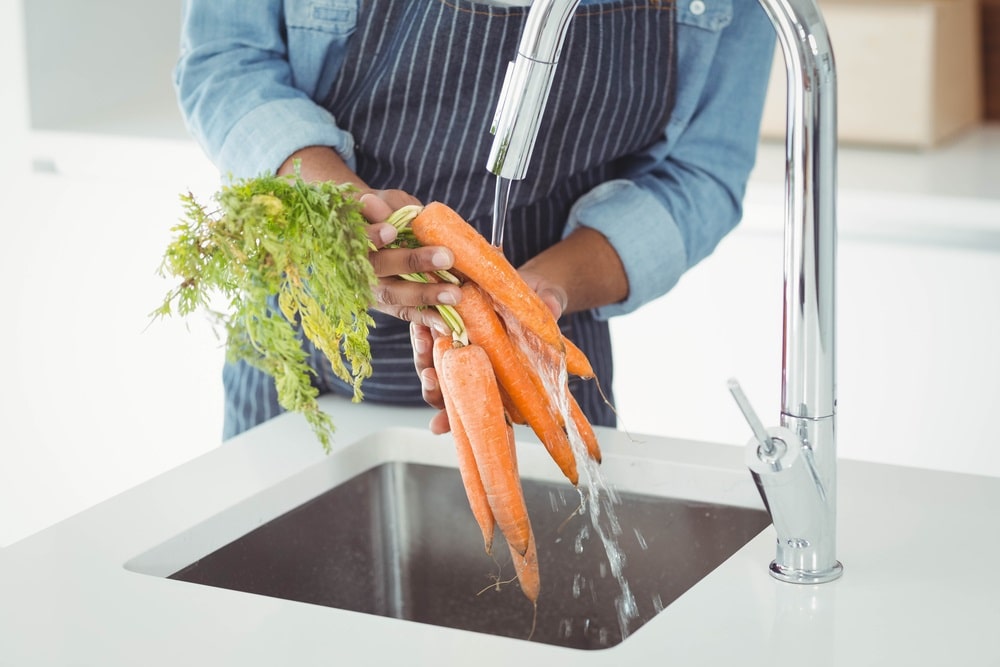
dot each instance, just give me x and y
(628, 466)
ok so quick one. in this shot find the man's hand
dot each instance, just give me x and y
(394, 296)
(422, 340)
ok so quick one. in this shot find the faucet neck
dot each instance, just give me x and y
(545, 29)
(809, 349)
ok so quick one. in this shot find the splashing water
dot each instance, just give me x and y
(640, 539)
(597, 498)
(604, 522)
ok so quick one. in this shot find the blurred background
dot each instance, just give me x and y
(95, 398)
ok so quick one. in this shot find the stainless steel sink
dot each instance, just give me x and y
(397, 539)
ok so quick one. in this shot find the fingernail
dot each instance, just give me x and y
(427, 383)
(419, 343)
(447, 298)
(441, 259)
(387, 234)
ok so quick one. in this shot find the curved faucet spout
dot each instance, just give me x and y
(526, 87)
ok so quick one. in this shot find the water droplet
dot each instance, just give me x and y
(553, 501)
(642, 540)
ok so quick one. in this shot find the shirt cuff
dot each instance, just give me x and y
(643, 233)
(264, 138)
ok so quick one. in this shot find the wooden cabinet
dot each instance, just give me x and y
(908, 71)
(991, 58)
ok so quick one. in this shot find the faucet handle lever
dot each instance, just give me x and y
(760, 434)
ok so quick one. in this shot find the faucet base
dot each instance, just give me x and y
(796, 576)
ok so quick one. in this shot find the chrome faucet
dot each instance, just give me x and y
(794, 465)
(526, 87)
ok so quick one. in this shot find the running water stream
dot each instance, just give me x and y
(501, 200)
(598, 499)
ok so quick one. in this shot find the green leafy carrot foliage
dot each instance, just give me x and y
(279, 240)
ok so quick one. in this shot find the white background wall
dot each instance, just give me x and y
(918, 324)
(94, 400)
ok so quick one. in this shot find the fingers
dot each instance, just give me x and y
(439, 423)
(381, 234)
(422, 339)
(414, 301)
(396, 293)
(553, 295)
(398, 261)
(376, 207)
(555, 299)
(392, 199)
(394, 296)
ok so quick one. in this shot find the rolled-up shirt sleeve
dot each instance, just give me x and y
(643, 233)
(237, 91)
(676, 200)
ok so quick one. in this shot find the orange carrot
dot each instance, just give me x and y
(584, 428)
(526, 567)
(467, 374)
(437, 224)
(514, 415)
(521, 384)
(466, 460)
(576, 361)
(512, 443)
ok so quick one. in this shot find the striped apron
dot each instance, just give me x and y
(418, 90)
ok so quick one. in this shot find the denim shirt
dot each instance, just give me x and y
(270, 60)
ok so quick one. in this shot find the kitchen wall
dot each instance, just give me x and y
(95, 399)
(102, 66)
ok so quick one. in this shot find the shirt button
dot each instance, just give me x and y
(697, 7)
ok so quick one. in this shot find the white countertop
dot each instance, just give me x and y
(918, 549)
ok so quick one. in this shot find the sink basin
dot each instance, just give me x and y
(396, 538)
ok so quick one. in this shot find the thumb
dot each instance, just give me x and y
(555, 299)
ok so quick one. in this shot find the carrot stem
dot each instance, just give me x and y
(448, 313)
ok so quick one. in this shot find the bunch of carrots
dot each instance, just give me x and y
(506, 363)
